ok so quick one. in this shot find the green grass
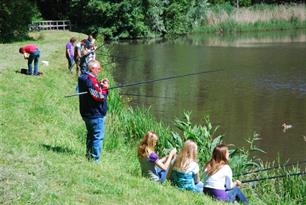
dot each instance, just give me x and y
(42, 142)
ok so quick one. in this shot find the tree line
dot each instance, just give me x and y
(115, 19)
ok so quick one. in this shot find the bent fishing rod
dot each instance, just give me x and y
(274, 177)
(271, 168)
(152, 81)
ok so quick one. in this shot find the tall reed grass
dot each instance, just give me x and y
(225, 18)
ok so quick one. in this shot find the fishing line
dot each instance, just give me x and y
(152, 81)
(147, 96)
(270, 168)
(274, 177)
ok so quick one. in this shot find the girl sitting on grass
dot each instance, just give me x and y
(219, 182)
(185, 172)
(151, 166)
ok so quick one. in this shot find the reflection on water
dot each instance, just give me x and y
(250, 39)
(261, 86)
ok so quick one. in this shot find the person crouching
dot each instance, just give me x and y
(31, 52)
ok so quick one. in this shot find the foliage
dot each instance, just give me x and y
(204, 135)
(198, 11)
(36, 14)
(154, 12)
(133, 18)
(55, 9)
(289, 190)
(246, 160)
(245, 3)
(15, 15)
(207, 139)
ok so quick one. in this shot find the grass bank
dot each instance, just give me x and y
(226, 18)
(42, 142)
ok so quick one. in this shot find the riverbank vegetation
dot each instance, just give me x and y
(152, 18)
(42, 146)
(225, 18)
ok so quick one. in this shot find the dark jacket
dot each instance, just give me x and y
(92, 104)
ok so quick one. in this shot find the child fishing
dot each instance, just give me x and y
(185, 172)
(151, 165)
(218, 183)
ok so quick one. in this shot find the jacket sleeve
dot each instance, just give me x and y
(96, 91)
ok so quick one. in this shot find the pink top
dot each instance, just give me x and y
(30, 48)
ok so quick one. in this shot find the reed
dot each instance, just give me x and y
(256, 18)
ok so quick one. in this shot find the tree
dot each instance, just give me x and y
(15, 15)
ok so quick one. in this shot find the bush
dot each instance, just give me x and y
(15, 15)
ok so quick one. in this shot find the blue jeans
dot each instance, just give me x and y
(235, 194)
(162, 174)
(33, 56)
(199, 187)
(95, 136)
(70, 63)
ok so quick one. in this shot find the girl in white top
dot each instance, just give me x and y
(219, 182)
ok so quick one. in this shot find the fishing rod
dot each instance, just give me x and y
(270, 168)
(152, 81)
(274, 177)
(127, 94)
(164, 78)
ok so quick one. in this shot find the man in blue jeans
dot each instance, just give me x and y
(93, 108)
(31, 52)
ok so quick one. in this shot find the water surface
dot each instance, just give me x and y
(261, 85)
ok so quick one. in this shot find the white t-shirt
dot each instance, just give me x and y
(221, 180)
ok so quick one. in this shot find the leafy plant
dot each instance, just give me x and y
(203, 135)
(241, 159)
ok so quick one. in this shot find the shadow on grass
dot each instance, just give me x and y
(25, 71)
(57, 149)
(22, 71)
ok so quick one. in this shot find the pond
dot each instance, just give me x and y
(259, 85)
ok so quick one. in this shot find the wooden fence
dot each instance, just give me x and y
(50, 25)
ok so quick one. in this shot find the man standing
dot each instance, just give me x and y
(77, 57)
(93, 108)
(31, 52)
